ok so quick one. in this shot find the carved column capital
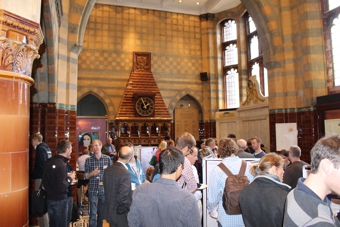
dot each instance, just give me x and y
(19, 43)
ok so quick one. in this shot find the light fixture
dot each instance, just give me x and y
(197, 3)
(180, 1)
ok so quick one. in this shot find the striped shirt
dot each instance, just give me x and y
(216, 188)
(96, 186)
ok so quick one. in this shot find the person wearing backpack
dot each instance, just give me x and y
(227, 149)
(262, 202)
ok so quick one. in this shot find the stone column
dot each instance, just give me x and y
(20, 39)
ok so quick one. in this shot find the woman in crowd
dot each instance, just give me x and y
(262, 201)
(163, 144)
(284, 154)
(171, 143)
(205, 153)
(149, 173)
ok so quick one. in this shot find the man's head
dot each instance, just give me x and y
(192, 156)
(227, 147)
(256, 143)
(232, 136)
(109, 140)
(171, 162)
(36, 139)
(125, 153)
(325, 163)
(242, 144)
(64, 148)
(97, 146)
(326, 148)
(210, 142)
(294, 153)
(185, 142)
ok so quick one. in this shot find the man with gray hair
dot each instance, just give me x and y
(294, 171)
(185, 143)
(242, 145)
(306, 205)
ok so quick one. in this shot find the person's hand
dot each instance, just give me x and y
(213, 213)
(146, 182)
(95, 172)
(72, 175)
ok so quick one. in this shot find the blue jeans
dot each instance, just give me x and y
(58, 212)
(96, 210)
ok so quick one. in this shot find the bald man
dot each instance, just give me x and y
(242, 145)
(117, 188)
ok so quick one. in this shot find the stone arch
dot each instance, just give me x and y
(268, 25)
(194, 94)
(110, 109)
(79, 14)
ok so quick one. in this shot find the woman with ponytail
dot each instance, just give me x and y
(262, 201)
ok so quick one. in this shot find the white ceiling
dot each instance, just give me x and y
(186, 6)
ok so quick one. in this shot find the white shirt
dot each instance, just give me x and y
(197, 194)
(81, 162)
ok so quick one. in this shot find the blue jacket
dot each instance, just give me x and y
(133, 174)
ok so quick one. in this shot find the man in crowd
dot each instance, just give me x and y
(256, 145)
(306, 205)
(109, 149)
(94, 171)
(185, 142)
(163, 203)
(294, 171)
(118, 193)
(135, 169)
(242, 145)
(192, 157)
(56, 181)
(232, 136)
(211, 144)
(227, 149)
(42, 153)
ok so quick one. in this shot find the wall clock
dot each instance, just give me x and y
(145, 106)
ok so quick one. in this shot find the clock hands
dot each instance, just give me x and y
(144, 105)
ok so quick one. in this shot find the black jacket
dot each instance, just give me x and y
(118, 195)
(262, 202)
(55, 180)
(42, 153)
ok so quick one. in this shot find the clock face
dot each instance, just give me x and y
(145, 106)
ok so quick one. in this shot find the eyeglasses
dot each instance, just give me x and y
(190, 150)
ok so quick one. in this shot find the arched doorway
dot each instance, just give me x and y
(91, 121)
(187, 116)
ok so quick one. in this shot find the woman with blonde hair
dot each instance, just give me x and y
(162, 146)
(262, 201)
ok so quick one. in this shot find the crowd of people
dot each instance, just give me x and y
(168, 193)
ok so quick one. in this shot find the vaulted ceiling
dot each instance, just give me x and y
(178, 6)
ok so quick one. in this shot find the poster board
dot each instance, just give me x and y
(145, 154)
(332, 127)
(207, 167)
(286, 135)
